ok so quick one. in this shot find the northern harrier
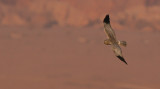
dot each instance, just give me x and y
(112, 39)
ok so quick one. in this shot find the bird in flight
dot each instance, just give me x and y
(112, 40)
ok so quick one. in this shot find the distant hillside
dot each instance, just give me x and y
(140, 15)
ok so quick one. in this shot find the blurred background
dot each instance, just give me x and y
(59, 44)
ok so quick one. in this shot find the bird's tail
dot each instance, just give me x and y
(122, 43)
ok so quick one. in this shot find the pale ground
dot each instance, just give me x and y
(71, 58)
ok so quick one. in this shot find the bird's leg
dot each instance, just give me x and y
(107, 42)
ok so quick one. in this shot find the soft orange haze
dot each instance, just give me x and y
(59, 44)
(79, 13)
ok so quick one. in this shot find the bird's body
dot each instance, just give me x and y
(112, 39)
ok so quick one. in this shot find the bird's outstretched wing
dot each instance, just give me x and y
(118, 52)
(108, 29)
(122, 59)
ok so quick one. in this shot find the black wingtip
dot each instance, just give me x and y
(106, 19)
(122, 59)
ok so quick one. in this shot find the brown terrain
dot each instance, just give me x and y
(59, 44)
